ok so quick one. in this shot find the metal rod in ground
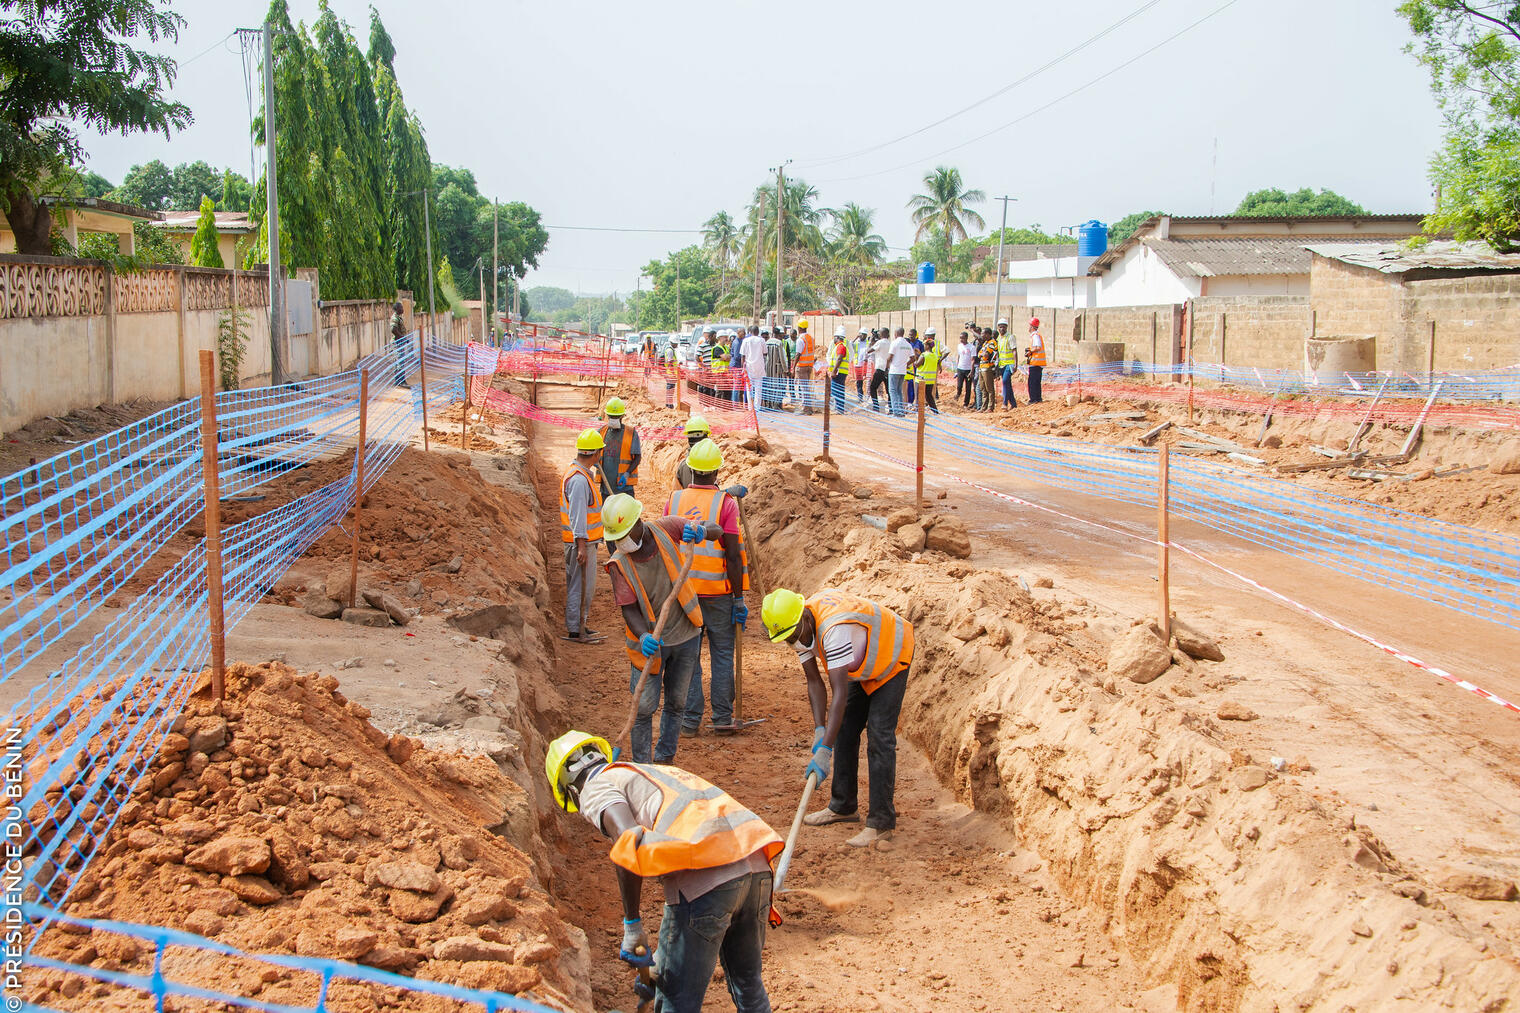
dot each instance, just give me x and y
(212, 482)
(360, 453)
(422, 365)
(1163, 538)
(464, 410)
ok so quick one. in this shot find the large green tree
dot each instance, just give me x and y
(1472, 50)
(802, 225)
(408, 169)
(698, 286)
(721, 237)
(70, 62)
(1277, 203)
(464, 219)
(945, 205)
(204, 251)
(155, 186)
(549, 300)
(851, 237)
(1125, 227)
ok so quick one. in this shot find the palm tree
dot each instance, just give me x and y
(851, 239)
(721, 238)
(943, 206)
(804, 219)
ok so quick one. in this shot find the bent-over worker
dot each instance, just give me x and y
(646, 560)
(865, 649)
(580, 523)
(711, 855)
(720, 576)
(697, 430)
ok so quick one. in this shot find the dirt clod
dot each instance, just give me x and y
(1139, 655)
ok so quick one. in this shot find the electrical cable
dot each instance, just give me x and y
(1055, 101)
(988, 98)
(614, 228)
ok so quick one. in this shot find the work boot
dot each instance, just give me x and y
(868, 837)
(824, 817)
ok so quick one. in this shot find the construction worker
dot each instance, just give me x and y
(580, 522)
(807, 357)
(839, 368)
(644, 569)
(1034, 354)
(697, 430)
(925, 367)
(866, 649)
(711, 855)
(1008, 361)
(620, 459)
(720, 576)
(778, 366)
(988, 360)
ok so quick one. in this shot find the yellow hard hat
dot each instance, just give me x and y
(618, 514)
(781, 611)
(589, 440)
(705, 456)
(616, 408)
(568, 756)
(697, 424)
(802, 326)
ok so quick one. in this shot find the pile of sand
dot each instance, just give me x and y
(280, 820)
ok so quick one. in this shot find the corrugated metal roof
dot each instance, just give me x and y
(1209, 258)
(1396, 258)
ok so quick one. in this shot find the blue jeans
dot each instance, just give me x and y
(1009, 401)
(836, 392)
(895, 391)
(718, 631)
(725, 924)
(676, 664)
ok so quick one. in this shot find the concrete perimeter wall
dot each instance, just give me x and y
(74, 334)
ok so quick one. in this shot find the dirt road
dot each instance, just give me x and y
(955, 915)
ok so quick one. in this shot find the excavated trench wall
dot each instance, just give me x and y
(1215, 872)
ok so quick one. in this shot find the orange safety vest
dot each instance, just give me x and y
(1037, 355)
(889, 637)
(627, 474)
(709, 569)
(593, 509)
(805, 352)
(698, 827)
(684, 594)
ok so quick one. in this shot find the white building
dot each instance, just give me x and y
(1172, 259)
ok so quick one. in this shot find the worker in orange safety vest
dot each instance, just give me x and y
(711, 855)
(865, 649)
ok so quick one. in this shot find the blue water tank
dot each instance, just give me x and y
(926, 273)
(1092, 238)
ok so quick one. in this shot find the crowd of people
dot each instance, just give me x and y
(712, 856)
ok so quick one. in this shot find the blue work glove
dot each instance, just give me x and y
(818, 732)
(737, 491)
(650, 645)
(693, 532)
(820, 764)
(635, 938)
(741, 611)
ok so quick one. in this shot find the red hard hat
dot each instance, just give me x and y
(1034, 321)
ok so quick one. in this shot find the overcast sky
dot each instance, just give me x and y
(656, 115)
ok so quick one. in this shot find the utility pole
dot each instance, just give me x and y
(485, 318)
(427, 232)
(678, 292)
(277, 330)
(759, 255)
(780, 232)
(997, 297)
(495, 262)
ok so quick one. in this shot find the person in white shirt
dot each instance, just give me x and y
(898, 354)
(753, 349)
(965, 366)
(859, 366)
(877, 353)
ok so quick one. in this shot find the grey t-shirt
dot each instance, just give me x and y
(578, 499)
(620, 784)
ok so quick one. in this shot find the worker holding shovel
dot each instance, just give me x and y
(711, 855)
(866, 649)
(720, 576)
(580, 523)
(645, 571)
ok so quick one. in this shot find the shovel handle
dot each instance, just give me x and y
(659, 627)
(791, 838)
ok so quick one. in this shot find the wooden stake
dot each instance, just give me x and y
(1163, 536)
(212, 482)
(359, 456)
(422, 364)
(919, 392)
(828, 396)
(464, 411)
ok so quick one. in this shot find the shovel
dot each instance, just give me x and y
(659, 627)
(785, 861)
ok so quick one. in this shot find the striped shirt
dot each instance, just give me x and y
(840, 644)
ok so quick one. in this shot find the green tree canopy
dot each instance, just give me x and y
(1125, 227)
(204, 251)
(851, 238)
(549, 300)
(157, 187)
(65, 63)
(657, 304)
(1472, 50)
(1275, 203)
(945, 204)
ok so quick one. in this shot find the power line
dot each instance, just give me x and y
(197, 56)
(988, 98)
(613, 228)
(1033, 112)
